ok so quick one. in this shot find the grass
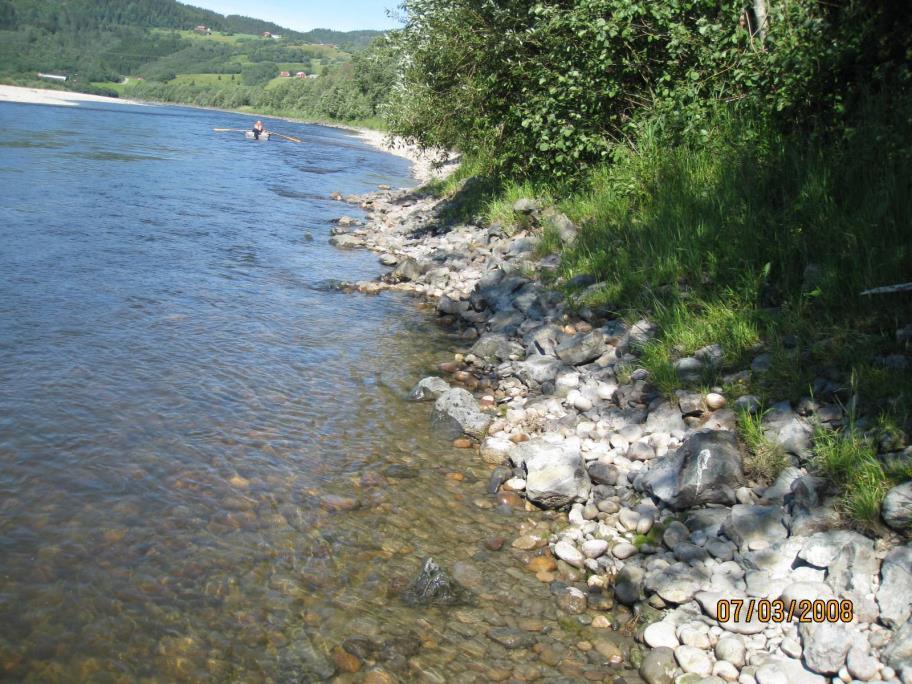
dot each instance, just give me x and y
(765, 460)
(850, 461)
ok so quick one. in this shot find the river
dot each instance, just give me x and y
(189, 413)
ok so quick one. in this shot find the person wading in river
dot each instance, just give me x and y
(258, 129)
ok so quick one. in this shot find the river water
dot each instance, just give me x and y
(181, 396)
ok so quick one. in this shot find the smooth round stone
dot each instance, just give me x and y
(608, 506)
(661, 634)
(693, 660)
(644, 524)
(725, 670)
(568, 553)
(601, 622)
(690, 636)
(608, 650)
(581, 403)
(623, 550)
(462, 443)
(715, 401)
(770, 674)
(572, 601)
(628, 518)
(594, 548)
(732, 650)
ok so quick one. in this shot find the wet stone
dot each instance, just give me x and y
(511, 638)
(433, 587)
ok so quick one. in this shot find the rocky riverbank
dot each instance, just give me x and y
(660, 515)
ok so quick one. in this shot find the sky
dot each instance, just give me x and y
(303, 15)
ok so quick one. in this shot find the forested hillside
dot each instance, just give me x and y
(149, 48)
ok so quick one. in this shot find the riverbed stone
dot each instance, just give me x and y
(661, 634)
(749, 524)
(495, 347)
(457, 409)
(556, 474)
(731, 649)
(496, 450)
(898, 653)
(581, 348)
(705, 469)
(693, 660)
(895, 594)
(428, 389)
(897, 507)
(628, 585)
(824, 646)
(568, 553)
(659, 666)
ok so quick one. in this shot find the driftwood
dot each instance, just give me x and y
(889, 289)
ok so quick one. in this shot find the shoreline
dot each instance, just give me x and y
(426, 165)
(659, 522)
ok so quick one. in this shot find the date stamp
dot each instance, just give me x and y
(764, 610)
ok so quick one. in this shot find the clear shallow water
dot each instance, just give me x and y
(178, 393)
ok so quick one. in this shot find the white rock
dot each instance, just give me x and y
(515, 484)
(731, 649)
(568, 553)
(693, 660)
(623, 550)
(593, 548)
(661, 634)
(725, 670)
(860, 664)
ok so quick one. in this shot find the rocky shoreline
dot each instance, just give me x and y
(660, 515)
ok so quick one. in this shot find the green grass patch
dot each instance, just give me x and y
(765, 460)
(850, 461)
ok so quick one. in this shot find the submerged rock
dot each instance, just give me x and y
(433, 587)
(429, 389)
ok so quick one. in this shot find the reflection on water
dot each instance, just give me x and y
(207, 470)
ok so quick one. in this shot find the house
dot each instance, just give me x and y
(300, 74)
(203, 30)
(265, 34)
(284, 74)
(52, 77)
(312, 76)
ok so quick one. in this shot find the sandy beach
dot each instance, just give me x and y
(53, 97)
(427, 165)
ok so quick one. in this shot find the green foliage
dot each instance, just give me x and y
(553, 86)
(259, 73)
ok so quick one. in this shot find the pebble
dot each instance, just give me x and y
(568, 553)
(594, 548)
(623, 550)
(542, 564)
(693, 660)
(661, 634)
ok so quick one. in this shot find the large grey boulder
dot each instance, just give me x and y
(895, 594)
(705, 469)
(495, 347)
(822, 548)
(897, 507)
(457, 409)
(581, 348)
(750, 524)
(824, 646)
(428, 389)
(555, 473)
